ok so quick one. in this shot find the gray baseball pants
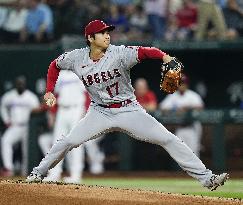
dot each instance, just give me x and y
(134, 120)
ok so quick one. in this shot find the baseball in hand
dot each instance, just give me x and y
(50, 102)
(50, 99)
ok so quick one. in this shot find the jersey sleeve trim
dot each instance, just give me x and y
(150, 53)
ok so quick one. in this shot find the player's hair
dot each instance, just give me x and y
(87, 41)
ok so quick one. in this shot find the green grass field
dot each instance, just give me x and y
(232, 189)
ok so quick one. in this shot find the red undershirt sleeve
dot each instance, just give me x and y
(150, 53)
(52, 76)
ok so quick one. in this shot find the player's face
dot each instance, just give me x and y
(101, 40)
(141, 87)
(183, 87)
(20, 85)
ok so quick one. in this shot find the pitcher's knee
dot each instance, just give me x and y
(73, 142)
(165, 138)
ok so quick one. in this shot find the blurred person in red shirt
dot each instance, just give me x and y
(183, 23)
(146, 97)
(187, 18)
(187, 14)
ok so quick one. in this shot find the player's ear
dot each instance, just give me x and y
(90, 38)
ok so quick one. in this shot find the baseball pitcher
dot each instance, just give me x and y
(105, 72)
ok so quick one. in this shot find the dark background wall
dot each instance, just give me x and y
(29, 61)
(218, 69)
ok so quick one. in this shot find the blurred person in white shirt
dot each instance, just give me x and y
(157, 12)
(181, 102)
(4, 10)
(14, 23)
(16, 107)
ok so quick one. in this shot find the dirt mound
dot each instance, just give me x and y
(19, 192)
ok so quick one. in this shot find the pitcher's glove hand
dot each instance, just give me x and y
(171, 75)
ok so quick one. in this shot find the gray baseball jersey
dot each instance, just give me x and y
(107, 80)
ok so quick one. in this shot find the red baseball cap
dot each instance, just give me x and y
(97, 26)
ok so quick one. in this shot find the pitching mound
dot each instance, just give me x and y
(18, 192)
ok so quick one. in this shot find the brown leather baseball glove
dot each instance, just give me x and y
(171, 76)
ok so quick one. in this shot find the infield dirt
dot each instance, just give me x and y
(21, 193)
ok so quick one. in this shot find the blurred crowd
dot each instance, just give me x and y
(35, 21)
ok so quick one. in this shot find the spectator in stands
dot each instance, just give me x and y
(233, 13)
(16, 106)
(210, 11)
(3, 15)
(144, 95)
(186, 20)
(81, 16)
(138, 22)
(121, 2)
(38, 27)
(157, 12)
(63, 15)
(174, 5)
(72, 15)
(14, 23)
(138, 19)
(183, 101)
(117, 18)
(82, 12)
(183, 24)
(48, 17)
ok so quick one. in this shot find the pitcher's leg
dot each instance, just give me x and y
(187, 160)
(91, 125)
(188, 136)
(146, 128)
